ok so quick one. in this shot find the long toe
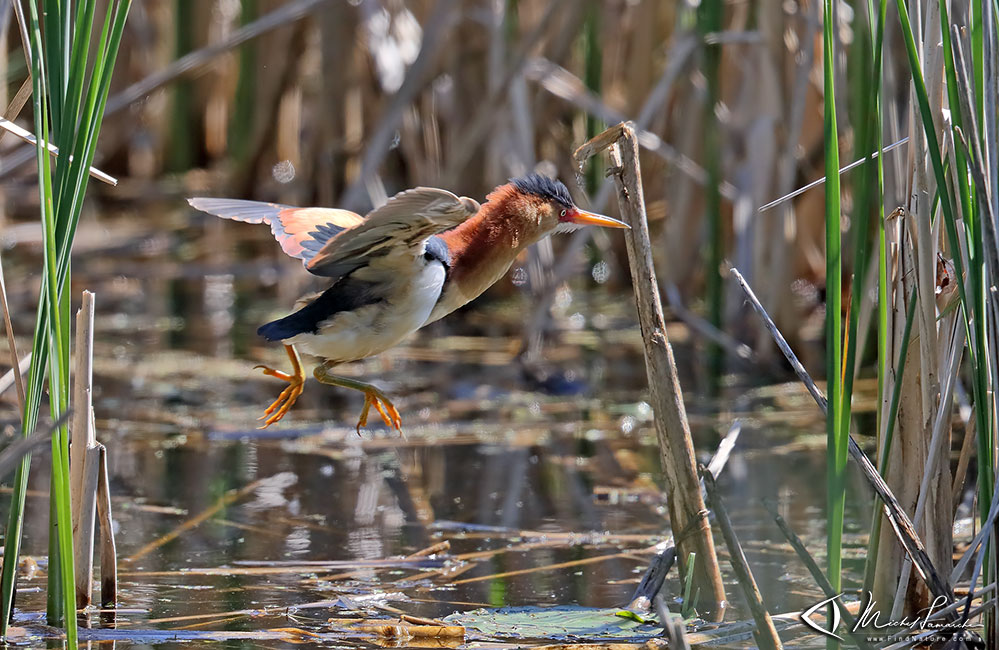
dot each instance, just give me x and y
(379, 406)
(388, 411)
(271, 372)
(282, 398)
(363, 420)
(282, 404)
(394, 414)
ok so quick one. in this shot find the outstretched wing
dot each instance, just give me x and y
(406, 221)
(302, 232)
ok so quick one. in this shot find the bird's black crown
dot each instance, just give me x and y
(547, 188)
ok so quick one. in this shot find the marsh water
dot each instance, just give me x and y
(539, 468)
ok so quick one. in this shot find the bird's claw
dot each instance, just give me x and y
(285, 400)
(271, 372)
(390, 415)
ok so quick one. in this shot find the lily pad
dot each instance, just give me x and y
(563, 623)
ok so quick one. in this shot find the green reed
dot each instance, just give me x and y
(709, 21)
(836, 451)
(70, 85)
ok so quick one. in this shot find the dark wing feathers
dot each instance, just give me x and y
(301, 232)
(405, 221)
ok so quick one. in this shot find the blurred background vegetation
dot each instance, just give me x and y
(330, 102)
(346, 102)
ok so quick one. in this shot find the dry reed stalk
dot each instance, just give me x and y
(963, 460)
(84, 456)
(905, 461)
(675, 444)
(17, 102)
(916, 257)
(83, 436)
(9, 330)
(941, 426)
(28, 137)
(547, 567)
(406, 631)
(419, 620)
(780, 341)
(84, 512)
(765, 634)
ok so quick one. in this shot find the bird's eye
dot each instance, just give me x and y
(563, 213)
(428, 256)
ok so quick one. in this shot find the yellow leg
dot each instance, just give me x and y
(372, 397)
(288, 397)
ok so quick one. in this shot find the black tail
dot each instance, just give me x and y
(345, 295)
(281, 329)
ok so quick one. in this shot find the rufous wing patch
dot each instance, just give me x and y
(301, 232)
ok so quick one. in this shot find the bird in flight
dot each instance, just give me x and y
(420, 256)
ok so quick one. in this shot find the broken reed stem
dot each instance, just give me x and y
(899, 519)
(672, 430)
(84, 454)
(816, 572)
(766, 634)
(109, 551)
(439, 547)
(779, 339)
(13, 376)
(83, 525)
(652, 581)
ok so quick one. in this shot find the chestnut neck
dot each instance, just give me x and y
(483, 247)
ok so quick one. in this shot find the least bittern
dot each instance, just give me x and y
(410, 262)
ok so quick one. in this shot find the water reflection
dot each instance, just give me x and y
(518, 468)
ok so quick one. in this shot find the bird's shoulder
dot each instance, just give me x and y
(424, 203)
(400, 226)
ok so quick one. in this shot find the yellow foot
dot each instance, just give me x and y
(384, 406)
(288, 397)
(372, 397)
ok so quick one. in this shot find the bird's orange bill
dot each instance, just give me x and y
(584, 218)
